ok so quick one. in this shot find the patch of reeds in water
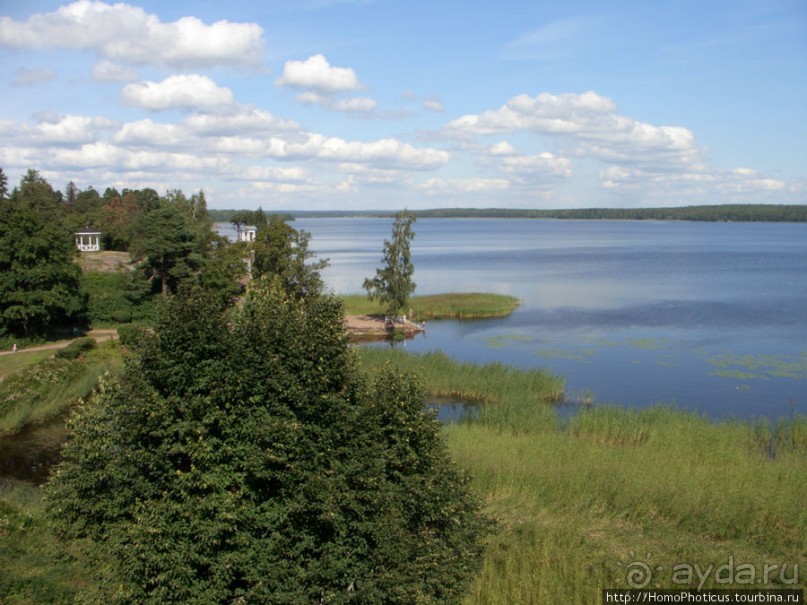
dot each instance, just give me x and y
(473, 305)
(454, 305)
(512, 397)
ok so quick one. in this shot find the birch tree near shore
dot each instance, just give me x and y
(393, 283)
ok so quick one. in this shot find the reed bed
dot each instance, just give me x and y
(687, 492)
(454, 305)
(581, 502)
(512, 396)
(473, 305)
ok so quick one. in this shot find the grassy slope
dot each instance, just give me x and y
(35, 567)
(22, 359)
(43, 390)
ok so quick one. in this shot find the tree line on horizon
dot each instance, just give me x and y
(795, 213)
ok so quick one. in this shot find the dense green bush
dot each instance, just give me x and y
(107, 300)
(256, 464)
(129, 335)
(122, 316)
(77, 347)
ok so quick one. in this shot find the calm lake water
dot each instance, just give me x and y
(709, 316)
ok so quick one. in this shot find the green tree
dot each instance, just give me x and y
(282, 252)
(3, 185)
(85, 211)
(37, 194)
(241, 219)
(118, 220)
(224, 269)
(243, 457)
(168, 247)
(70, 194)
(393, 284)
(39, 282)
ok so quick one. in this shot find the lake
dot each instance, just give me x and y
(709, 316)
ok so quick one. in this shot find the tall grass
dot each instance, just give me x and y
(35, 567)
(581, 502)
(616, 486)
(472, 305)
(514, 397)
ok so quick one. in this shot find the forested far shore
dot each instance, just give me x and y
(795, 213)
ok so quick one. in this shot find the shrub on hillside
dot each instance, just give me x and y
(76, 348)
(129, 335)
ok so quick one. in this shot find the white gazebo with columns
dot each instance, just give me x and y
(246, 233)
(88, 241)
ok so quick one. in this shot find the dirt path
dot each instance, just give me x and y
(98, 335)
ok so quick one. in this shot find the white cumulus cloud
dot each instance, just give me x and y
(589, 126)
(316, 74)
(357, 105)
(186, 91)
(502, 148)
(128, 34)
(240, 120)
(433, 105)
(439, 186)
(545, 163)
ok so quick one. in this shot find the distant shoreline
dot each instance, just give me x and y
(794, 213)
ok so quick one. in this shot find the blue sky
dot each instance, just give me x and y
(385, 104)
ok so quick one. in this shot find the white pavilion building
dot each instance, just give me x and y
(88, 241)
(247, 233)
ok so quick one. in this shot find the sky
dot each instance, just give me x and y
(391, 104)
